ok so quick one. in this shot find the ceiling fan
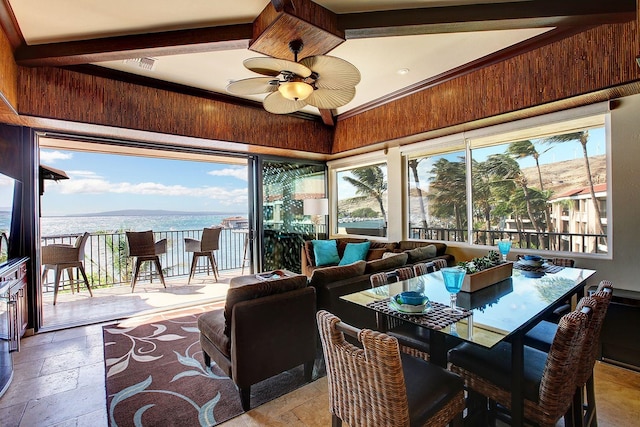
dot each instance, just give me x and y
(323, 81)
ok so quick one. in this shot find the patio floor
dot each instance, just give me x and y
(119, 302)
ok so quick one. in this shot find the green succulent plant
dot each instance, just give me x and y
(492, 259)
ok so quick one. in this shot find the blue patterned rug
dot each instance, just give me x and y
(156, 374)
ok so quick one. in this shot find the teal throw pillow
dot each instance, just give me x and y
(325, 252)
(355, 252)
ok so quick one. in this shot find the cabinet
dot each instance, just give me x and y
(618, 340)
(13, 314)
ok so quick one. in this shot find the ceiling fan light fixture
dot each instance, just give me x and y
(295, 91)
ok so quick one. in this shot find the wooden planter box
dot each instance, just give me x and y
(484, 278)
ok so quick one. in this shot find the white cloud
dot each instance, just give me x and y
(53, 156)
(97, 185)
(83, 174)
(239, 173)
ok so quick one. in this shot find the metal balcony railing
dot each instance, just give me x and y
(107, 263)
(562, 242)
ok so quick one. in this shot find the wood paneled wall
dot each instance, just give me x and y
(596, 59)
(73, 96)
(8, 77)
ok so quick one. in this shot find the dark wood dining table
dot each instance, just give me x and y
(504, 311)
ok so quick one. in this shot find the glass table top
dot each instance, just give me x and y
(497, 310)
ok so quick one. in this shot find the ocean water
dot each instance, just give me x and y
(60, 225)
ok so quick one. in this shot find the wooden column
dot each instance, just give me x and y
(638, 29)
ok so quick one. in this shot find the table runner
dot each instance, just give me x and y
(435, 318)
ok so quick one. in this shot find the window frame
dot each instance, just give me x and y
(530, 128)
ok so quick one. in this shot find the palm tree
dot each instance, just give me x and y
(505, 168)
(369, 181)
(583, 138)
(413, 166)
(448, 192)
(482, 197)
(526, 148)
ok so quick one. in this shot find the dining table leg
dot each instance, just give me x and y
(517, 380)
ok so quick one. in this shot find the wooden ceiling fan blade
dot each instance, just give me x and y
(252, 86)
(328, 99)
(274, 66)
(333, 73)
(277, 104)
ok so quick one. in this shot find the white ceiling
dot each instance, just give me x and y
(378, 59)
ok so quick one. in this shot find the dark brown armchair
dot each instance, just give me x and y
(265, 328)
(61, 257)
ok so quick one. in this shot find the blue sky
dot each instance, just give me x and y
(104, 182)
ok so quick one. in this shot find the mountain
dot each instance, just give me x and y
(149, 212)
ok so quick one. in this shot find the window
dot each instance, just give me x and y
(544, 187)
(437, 199)
(362, 200)
(519, 190)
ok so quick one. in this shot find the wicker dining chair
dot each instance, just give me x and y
(413, 339)
(541, 338)
(62, 257)
(378, 386)
(205, 247)
(422, 268)
(143, 248)
(549, 379)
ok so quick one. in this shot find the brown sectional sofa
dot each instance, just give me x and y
(332, 282)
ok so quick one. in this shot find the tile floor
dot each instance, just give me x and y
(59, 381)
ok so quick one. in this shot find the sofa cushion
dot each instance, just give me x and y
(404, 245)
(325, 252)
(344, 241)
(211, 325)
(376, 253)
(390, 254)
(385, 264)
(421, 253)
(244, 290)
(323, 276)
(354, 252)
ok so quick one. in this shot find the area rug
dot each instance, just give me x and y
(155, 375)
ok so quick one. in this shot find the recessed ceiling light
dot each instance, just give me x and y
(403, 71)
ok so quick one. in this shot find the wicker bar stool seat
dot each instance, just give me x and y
(549, 380)
(62, 257)
(142, 247)
(378, 386)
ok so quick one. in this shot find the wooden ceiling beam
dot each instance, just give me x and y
(484, 17)
(136, 46)
(327, 117)
(527, 14)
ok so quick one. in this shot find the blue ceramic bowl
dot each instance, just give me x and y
(412, 298)
(533, 258)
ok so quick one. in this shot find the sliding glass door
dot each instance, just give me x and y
(286, 219)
